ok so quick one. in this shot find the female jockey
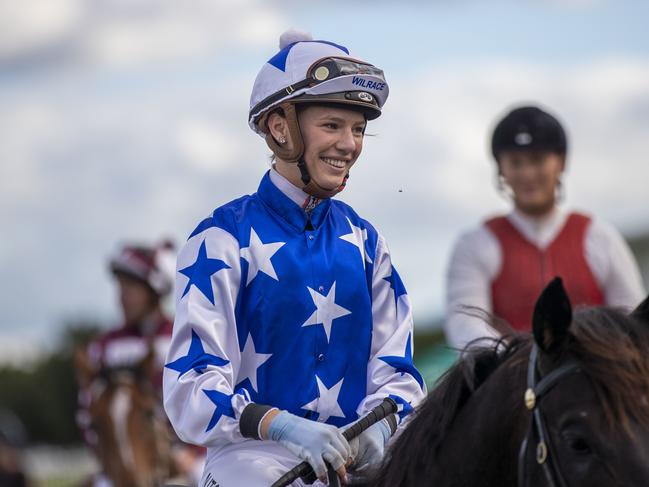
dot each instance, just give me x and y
(501, 266)
(291, 320)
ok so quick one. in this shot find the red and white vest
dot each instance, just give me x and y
(526, 269)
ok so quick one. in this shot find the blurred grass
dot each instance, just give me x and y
(58, 481)
(432, 355)
(57, 466)
(434, 362)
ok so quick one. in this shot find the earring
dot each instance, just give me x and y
(503, 188)
(559, 192)
(282, 140)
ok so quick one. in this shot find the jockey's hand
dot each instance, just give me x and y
(368, 448)
(312, 441)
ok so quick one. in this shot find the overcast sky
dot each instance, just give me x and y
(126, 120)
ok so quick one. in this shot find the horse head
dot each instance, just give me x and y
(597, 416)
(133, 436)
(566, 406)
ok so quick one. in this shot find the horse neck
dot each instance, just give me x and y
(131, 441)
(485, 437)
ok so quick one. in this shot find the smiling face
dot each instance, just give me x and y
(333, 140)
(533, 178)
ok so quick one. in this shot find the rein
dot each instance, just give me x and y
(537, 387)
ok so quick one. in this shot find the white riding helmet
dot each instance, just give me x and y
(312, 71)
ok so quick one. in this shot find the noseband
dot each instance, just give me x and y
(537, 387)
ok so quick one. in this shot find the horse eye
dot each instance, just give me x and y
(580, 446)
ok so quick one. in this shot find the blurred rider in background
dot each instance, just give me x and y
(502, 265)
(143, 276)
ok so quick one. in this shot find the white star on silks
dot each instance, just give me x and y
(326, 310)
(258, 255)
(250, 362)
(358, 237)
(326, 405)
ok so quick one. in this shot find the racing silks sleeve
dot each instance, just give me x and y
(204, 356)
(391, 371)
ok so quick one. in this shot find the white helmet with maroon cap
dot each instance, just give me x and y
(153, 266)
(312, 71)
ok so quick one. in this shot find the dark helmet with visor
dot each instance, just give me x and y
(531, 129)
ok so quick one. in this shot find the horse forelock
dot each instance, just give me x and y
(613, 350)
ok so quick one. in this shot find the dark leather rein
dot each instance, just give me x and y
(537, 387)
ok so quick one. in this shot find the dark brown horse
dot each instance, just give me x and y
(585, 425)
(133, 437)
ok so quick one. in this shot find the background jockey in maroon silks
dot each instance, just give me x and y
(503, 264)
(144, 276)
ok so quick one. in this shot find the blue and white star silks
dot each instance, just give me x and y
(223, 403)
(196, 358)
(326, 310)
(258, 255)
(300, 317)
(200, 273)
(404, 364)
(250, 362)
(396, 284)
(404, 408)
(326, 404)
(358, 237)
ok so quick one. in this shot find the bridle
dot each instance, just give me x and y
(537, 387)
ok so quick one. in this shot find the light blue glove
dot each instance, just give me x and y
(311, 441)
(368, 448)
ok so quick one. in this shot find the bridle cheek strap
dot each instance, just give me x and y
(536, 390)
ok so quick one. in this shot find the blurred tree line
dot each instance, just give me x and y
(43, 394)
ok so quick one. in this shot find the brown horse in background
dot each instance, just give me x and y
(133, 435)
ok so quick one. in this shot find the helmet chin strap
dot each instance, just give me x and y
(313, 188)
(296, 155)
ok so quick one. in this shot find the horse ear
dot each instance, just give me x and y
(552, 316)
(642, 311)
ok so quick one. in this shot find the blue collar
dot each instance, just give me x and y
(286, 208)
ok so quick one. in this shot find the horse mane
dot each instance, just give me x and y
(613, 350)
(432, 419)
(458, 384)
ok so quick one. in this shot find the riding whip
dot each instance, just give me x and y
(387, 407)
